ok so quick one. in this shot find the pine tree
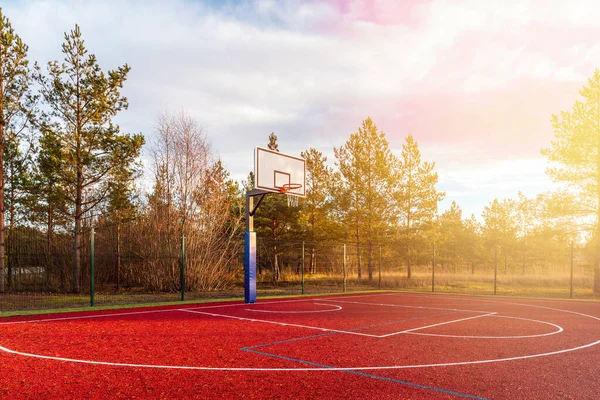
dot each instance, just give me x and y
(575, 155)
(451, 232)
(83, 101)
(50, 204)
(472, 242)
(500, 228)
(315, 214)
(15, 78)
(366, 165)
(416, 196)
(18, 198)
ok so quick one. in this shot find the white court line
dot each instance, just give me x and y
(85, 317)
(438, 324)
(458, 297)
(179, 309)
(364, 368)
(280, 323)
(336, 308)
(139, 312)
(249, 304)
(401, 306)
(323, 369)
(559, 329)
(548, 308)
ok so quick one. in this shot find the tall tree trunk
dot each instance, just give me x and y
(275, 258)
(118, 263)
(408, 266)
(454, 258)
(313, 261)
(358, 253)
(275, 264)
(370, 261)
(2, 266)
(597, 258)
(49, 243)
(13, 256)
(370, 223)
(77, 249)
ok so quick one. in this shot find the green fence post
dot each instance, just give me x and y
(182, 276)
(495, 267)
(303, 267)
(344, 268)
(571, 284)
(433, 268)
(92, 261)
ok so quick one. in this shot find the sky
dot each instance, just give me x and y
(475, 82)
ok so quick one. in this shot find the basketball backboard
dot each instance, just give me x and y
(272, 170)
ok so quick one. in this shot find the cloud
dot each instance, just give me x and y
(481, 77)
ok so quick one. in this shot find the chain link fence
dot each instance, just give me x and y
(136, 268)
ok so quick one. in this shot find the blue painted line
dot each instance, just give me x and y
(382, 378)
(439, 390)
(250, 349)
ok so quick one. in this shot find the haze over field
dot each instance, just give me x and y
(475, 82)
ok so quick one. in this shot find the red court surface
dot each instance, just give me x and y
(371, 346)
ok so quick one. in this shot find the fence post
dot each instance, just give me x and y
(344, 268)
(92, 268)
(571, 284)
(433, 268)
(495, 267)
(303, 267)
(379, 267)
(182, 271)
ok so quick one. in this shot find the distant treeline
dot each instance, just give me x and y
(66, 168)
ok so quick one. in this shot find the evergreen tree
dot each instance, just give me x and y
(315, 215)
(500, 227)
(575, 155)
(50, 205)
(473, 243)
(416, 196)
(15, 78)
(366, 165)
(452, 231)
(526, 219)
(83, 100)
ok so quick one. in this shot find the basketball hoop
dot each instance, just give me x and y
(292, 199)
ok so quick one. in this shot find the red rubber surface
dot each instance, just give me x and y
(383, 347)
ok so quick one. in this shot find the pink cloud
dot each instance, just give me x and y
(376, 11)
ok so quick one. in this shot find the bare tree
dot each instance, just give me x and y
(193, 196)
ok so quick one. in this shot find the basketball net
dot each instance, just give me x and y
(292, 199)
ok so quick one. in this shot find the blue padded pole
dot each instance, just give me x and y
(250, 253)
(250, 267)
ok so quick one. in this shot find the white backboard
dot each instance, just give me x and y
(272, 170)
